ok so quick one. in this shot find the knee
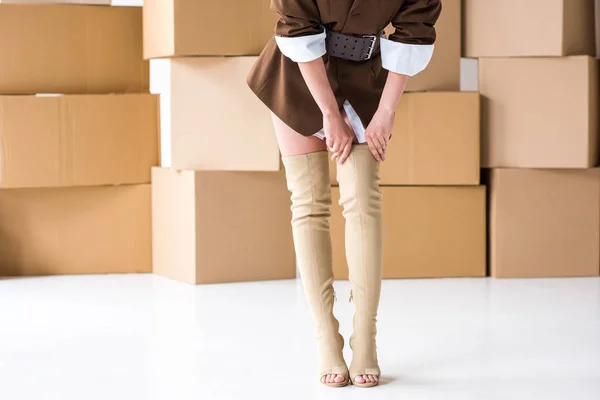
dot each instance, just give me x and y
(363, 199)
(308, 205)
(359, 183)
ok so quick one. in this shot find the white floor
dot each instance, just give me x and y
(144, 337)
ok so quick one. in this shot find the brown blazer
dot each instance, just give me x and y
(277, 80)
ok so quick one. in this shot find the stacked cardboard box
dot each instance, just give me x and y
(89, 2)
(210, 120)
(597, 9)
(443, 72)
(220, 202)
(136, 3)
(221, 226)
(76, 156)
(539, 82)
(71, 49)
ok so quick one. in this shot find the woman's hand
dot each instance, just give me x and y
(339, 137)
(379, 133)
(338, 134)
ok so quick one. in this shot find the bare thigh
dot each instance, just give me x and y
(292, 143)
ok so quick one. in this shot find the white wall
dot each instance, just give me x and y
(468, 75)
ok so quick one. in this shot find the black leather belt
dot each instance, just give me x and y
(354, 48)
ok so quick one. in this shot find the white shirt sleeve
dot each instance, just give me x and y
(303, 48)
(406, 59)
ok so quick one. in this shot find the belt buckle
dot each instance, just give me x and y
(372, 47)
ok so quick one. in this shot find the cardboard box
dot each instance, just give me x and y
(119, 3)
(443, 72)
(597, 7)
(435, 141)
(77, 140)
(429, 232)
(215, 226)
(539, 112)
(544, 223)
(88, 2)
(50, 48)
(87, 230)
(528, 28)
(210, 119)
(176, 28)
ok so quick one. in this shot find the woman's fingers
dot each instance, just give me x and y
(335, 149)
(383, 146)
(379, 147)
(380, 150)
(345, 152)
(330, 143)
(383, 141)
(373, 148)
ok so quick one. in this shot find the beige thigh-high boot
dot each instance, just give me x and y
(308, 181)
(360, 197)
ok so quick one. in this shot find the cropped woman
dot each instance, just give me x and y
(332, 81)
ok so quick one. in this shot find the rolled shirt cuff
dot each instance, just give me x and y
(303, 48)
(406, 59)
